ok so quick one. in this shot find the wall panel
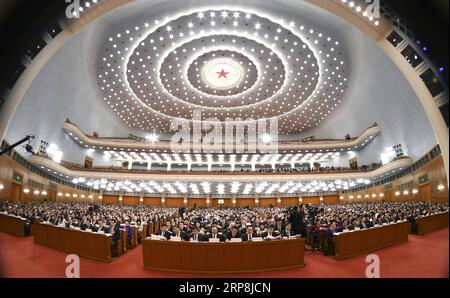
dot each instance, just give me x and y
(226, 202)
(198, 202)
(264, 202)
(112, 200)
(289, 201)
(132, 201)
(152, 201)
(242, 202)
(331, 200)
(174, 202)
(311, 200)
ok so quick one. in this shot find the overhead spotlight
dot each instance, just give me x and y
(266, 138)
(152, 138)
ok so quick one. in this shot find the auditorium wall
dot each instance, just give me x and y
(173, 202)
(198, 202)
(289, 201)
(311, 200)
(14, 190)
(242, 202)
(331, 200)
(152, 202)
(131, 201)
(376, 92)
(426, 190)
(374, 95)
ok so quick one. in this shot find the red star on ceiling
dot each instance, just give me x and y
(222, 74)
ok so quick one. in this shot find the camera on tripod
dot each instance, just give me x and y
(312, 212)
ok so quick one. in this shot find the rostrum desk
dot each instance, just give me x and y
(12, 225)
(223, 257)
(363, 241)
(84, 244)
(428, 224)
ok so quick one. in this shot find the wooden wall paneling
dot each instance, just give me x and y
(311, 200)
(264, 202)
(289, 201)
(51, 195)
(226, 202)
(199, 202)
(174, 202)
(129, 200)
(331, 200)
(242, 202)
(16, 192)
(425, 192)
(111, 200)
(152, 201)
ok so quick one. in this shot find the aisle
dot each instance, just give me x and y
(421, 256)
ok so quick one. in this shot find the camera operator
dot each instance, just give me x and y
(297, 219)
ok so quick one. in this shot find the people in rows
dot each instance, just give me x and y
(224, 224)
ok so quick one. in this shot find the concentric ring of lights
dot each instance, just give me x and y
(314, 82)
(222, 73)
(247, 95)
(209, 63)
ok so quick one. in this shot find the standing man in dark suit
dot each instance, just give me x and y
(130, 232)
(115, 231)
(330, 237)
(297, 218)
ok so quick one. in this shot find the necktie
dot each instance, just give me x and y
(249, 236)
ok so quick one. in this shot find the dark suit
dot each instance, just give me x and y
(285, 233)
(183, 235)
(245, 236)
(116, 230)
(166, 235)
(200, 237)
(280, 228)
(365, 225)
(274, 234)
(85, 227)
(229, 235)
(219, 236)
(104, 229)
(115, 240)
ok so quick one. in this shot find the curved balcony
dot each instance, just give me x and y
(133, 143)
(219, 177)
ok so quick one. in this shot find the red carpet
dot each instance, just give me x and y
(421, 256)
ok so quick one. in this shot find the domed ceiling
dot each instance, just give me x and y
(226, 63)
